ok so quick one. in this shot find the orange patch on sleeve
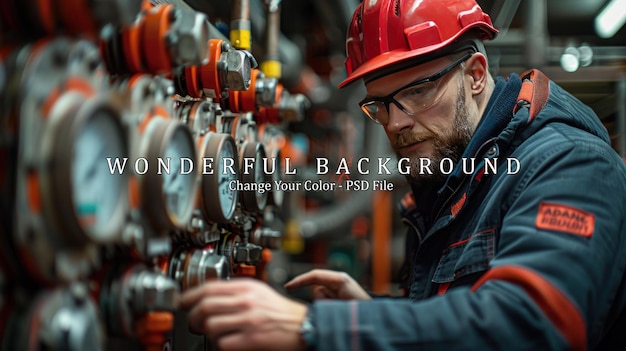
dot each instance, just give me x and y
(565, 219)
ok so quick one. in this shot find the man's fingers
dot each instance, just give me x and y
(318, 277)
(193, 296)
(321, 292)
(218, 326)
(214, 288)
(213, 306)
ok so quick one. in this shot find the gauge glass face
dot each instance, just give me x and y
(227, 192)
(95, 189)
(178, 184)
(259, 178)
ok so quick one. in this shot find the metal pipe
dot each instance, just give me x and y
(536, 29)
(241, 10)
(505, 11)
(240, 25)
(271, 65)
(272, 31)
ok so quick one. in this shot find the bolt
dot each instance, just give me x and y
(237, 75)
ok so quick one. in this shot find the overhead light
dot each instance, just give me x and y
(570, 59)
(611, 18)
(586, 55)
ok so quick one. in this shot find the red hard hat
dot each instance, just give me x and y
(387, 32)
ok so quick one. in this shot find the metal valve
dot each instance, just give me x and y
(188, 38)
(266, 237)
(292, 107)
(137, 292)
(193, 268)
(62, 319)
(247, 253)
(265, 91)
(227, 69)
(149, 291)
(234, 67)
(161, 39)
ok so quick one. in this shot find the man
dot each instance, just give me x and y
(532, 260)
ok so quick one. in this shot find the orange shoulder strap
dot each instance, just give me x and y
(534, 92)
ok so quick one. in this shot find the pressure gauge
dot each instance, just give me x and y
(88, 198)
(244, 128)
(170, 184)
(219, 191)
(273, 139)
(253, 153)
(276, 195)
(96, 191)
(175, 185)
(199, 116)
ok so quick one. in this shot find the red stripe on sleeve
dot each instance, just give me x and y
(554, 304)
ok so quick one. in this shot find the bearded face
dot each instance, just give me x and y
(447, 143)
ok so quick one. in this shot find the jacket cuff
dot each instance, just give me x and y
(336, 324)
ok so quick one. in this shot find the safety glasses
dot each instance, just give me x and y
(411, 98)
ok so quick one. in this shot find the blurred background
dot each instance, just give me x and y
(86, 82)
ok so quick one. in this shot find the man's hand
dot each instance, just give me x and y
(328, 284)
(245, 314)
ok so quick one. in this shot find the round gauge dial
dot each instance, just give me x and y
(171, 153)
(277, 195)
(259, 176)
(95, 188)
(178, 183)
(219, 194)
(254, 201)
(88, 198)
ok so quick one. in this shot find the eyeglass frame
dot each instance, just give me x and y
(388, 99)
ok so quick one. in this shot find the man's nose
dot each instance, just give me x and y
(398, 120)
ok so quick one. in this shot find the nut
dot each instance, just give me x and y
(189, 39)
(266, 91)
(236, 75)
(247, 254)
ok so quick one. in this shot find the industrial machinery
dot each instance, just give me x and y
(150, 146)
(126, 130)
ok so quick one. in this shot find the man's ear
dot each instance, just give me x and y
(476, 73)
